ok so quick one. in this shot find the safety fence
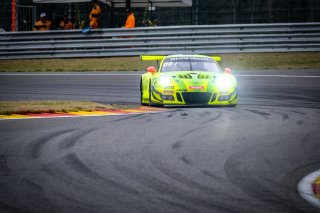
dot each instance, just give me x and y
(204, 39)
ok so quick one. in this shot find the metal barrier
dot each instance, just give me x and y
(204, 39)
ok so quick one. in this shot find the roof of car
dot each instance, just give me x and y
(181, 55)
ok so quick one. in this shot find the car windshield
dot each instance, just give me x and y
(189, 64)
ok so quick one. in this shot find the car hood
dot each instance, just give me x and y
(192, 81)
(192, 75)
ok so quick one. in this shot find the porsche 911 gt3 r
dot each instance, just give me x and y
(188, 80)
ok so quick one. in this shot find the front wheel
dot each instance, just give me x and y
(150, 99)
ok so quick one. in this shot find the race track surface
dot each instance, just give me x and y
(189, 159)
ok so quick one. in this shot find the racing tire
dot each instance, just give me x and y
(150, 100)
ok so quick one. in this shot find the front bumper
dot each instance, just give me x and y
(195, 98)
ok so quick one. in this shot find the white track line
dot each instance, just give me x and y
(305, 188)
(66, 74)
(281, 76)
(138, 74)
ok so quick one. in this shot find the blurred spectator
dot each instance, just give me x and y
(66, 24)
(82, 24)
(56, 22)
(150, 23)
(42, 23)
(131, 21)
(94, 15)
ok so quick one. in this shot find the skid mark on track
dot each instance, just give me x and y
(34, 149)
(186, 181)
(176, 145)
(73, 139)
(178, 205)
(300, 122)
(170, 189)
(255, 187)
(285, 117)
(72, 161)
(32, 185)
(52, 169)
(12, 208)
(170, 115)
(201, 126)
(183, 114)
(185, 160)
(192, 131)
(212, 119)
(297, 112)
(215, 177)
(285, 114)
(167, 171)
(263, 114)
(143, 117)
(4, 169)
(75, 164)
(128, 118)
(205, 114)
(308, 136)
(85, 207)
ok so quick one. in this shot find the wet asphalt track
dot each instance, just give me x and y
(243, 159)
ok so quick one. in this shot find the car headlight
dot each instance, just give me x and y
(224, 83)
(165, 80)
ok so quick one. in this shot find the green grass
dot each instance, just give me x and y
(301, 60)
(24, 107)
(77, 64)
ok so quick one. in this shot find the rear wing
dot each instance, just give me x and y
(152, 57)
(161, 57)
(217, 58)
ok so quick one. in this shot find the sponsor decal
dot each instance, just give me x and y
(189, 59)
(224, 93)
(196, 87)
(169, 87)
(168, 92)
(316, 187)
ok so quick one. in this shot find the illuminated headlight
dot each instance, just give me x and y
(165, 80)
(224, 83)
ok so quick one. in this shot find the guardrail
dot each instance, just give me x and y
(204, 39)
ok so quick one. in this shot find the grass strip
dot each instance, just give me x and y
(36, 107)
(294, 60)
(74, 65)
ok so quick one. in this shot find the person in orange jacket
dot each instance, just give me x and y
(131, 20)
(42, 23)
(66, 24)
(94, 15)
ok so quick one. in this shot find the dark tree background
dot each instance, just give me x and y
(203, 12)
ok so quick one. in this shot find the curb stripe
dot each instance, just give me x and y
(140, 110)
(305, 188)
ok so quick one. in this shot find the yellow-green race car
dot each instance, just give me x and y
(187, 80)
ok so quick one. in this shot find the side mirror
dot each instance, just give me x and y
(227, 71)
(151, 69)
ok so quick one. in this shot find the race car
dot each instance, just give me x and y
(187, 80)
